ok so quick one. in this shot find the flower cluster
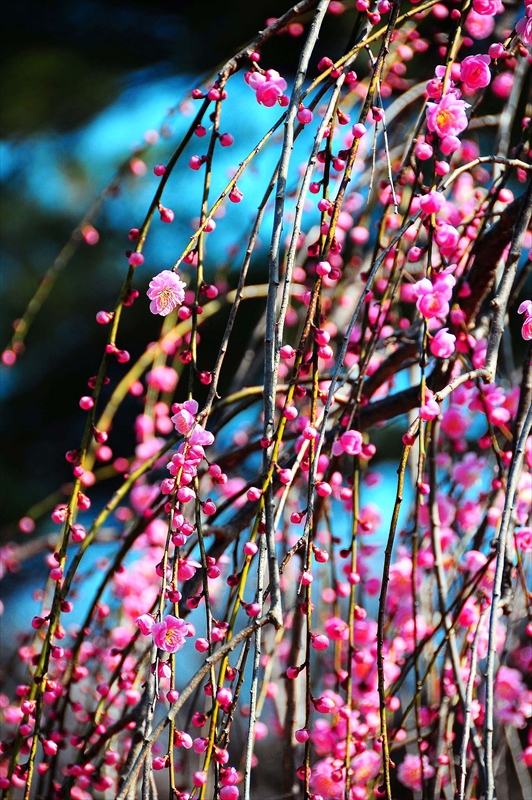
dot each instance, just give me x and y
(433, 297)
(268, 87)
(290, 562)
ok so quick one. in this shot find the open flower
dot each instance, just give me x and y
(269, 86)
(524, 26)
(448, 117)
(475, 72)
(185, 415)
(166, 292)
(169, 634)
(410, 774)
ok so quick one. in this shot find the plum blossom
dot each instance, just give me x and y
(350, 442)
(268, 86)
(166, 292)
(442, 345)
(487, 7)
(446, 237)
(526, 306)
(523, 539)
(479, 26)
(162, 378)
(448, 117)
(435, 85)
(492, 402)
(468, 472)
(409, 772)
(474, 72)
(430, 408)
(145, 622)
(524, 26)
(169, 635)
(432, 202)
(433, 298)
(328, 779)
(366, 766)
(455, 422)
(200, 437)
(513, 701)
(185, 416)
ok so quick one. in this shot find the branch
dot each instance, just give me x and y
(184, 696)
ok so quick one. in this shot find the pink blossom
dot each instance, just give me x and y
(469, 470)
(187, 568)
(200, 436)
(492, 401)
(502, 84)
(442, 345)
(145, 622)
(185, 416)
(448, 117)
(469, 515)
(524, 26)
(366, 766)
(169, 634)
(487, 7)
(433, 298)
(526, 309)
(455, 422)
(269, 86)
(447, 238)
(337, 629)
(479, 26)
(432, 202)
(474, 72)
(350, 442)
(324, 780)
(513, 701)
(162, 378)
(182, 739)
(409, 772)
(430, 409)
(166, 292)
(523, 539)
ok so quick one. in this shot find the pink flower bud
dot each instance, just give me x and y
(358, 130)
(287, 351)
(304, 115)
(319, 641)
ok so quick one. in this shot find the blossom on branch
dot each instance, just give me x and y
(169, 635)
(448, 117)
(166, 292)
(526, 309)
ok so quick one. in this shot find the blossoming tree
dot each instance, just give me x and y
(249, 607)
